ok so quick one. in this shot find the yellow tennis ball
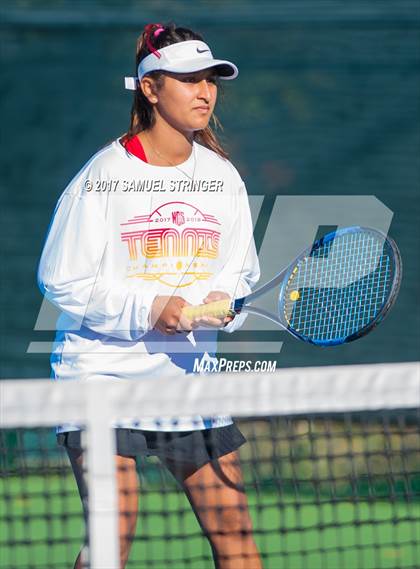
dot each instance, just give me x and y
(294, 295)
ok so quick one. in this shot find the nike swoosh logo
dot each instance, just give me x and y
(202, 50)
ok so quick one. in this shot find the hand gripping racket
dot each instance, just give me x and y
(334, 292)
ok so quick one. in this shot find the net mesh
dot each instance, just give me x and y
(40, 520)
(325, 488)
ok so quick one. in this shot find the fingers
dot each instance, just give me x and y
(168, 318)
(166, 315)
(185, 325)
(212, 322)
(215, 295)
(164, 329)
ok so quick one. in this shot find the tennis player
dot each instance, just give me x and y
(157, 220)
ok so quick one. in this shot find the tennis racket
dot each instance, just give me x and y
(334, 292)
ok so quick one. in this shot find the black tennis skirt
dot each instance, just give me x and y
(194, 447)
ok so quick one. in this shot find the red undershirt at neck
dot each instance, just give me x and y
(135, 147)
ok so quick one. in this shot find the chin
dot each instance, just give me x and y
(201, 125)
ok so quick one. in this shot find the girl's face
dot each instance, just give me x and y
(186, 100)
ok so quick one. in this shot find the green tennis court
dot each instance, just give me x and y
(297, 534)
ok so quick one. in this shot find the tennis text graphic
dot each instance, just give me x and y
(172, 244)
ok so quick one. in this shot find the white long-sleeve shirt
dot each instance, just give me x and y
(125, 231)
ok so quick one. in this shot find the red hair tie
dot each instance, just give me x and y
(149, 29)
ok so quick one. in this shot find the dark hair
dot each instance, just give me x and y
(142, 115)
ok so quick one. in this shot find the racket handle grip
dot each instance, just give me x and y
(218, 309)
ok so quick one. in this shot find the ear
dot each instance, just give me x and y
(148, 86)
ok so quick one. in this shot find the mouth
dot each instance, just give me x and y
(202, 109)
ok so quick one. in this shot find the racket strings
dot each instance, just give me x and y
(340, 288)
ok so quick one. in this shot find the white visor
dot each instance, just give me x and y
(182, 57)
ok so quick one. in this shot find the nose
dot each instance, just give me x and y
(204, 90)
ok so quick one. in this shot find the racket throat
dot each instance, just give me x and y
(237, 306)
(265, 314)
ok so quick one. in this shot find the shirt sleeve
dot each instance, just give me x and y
(70, 270)
(241, 270)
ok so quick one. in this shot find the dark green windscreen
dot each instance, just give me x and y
(327, 103)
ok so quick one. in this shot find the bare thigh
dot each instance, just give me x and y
(217, 496)
(217, 493)
(128, 495)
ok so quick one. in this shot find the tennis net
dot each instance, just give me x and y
(330, 469)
